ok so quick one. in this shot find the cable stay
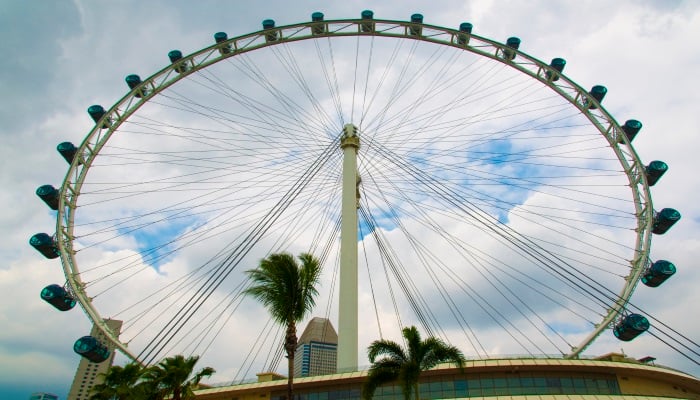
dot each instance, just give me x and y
(224, 268)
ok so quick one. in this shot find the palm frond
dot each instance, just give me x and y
(406, 365)
(386, 348)
(381, 372)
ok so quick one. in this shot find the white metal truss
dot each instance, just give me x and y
(181, 69)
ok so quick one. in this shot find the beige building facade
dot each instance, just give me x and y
(609, 377)
(317, 349)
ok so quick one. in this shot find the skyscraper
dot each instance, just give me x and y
(317, 350)
(89, 373)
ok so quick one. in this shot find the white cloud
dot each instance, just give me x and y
(641, 52)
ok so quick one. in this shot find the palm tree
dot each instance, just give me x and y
(119, 383)
(174, 376)
(405, 365)
(288, 290)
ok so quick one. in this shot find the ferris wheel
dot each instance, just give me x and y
(494, 193)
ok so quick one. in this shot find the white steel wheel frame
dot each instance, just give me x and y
(573, 93)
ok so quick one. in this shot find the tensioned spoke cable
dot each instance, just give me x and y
(367, 75)
(371, 285)
(377, 89)
(190, 208)
(276, 352)
(225, 268)
(537, 253)
(428, 117)
(388, 129)
(416, 245)
(265, 335)
(354, 81)
(171, 215)
(295, 110)
(217, 315)
(479, 183)
(295, 71)
(679, 351)
(331, 84)
(462, 244)
(226, 119)
(386, 264)
(299, 226)
(430, 314)
(464, 198)
(673, 336)
(453, 308)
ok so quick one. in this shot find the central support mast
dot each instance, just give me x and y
(347, 314)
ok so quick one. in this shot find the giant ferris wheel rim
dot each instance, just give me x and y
(210, 55)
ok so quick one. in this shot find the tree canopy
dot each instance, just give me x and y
(173, 376)
(288, 290)
(404, 365)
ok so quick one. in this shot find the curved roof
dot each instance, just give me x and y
(319, 330)
(636, 380)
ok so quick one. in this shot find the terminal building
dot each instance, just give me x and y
(43, 396)
(608, 377)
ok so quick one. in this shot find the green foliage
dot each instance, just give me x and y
(405, 365)
(120, 383)
(173, 377)
(285, 288)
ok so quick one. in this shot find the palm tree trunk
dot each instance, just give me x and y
(290, 347)
(290, 379)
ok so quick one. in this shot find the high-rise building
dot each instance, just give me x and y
(89, 373)
(317, 350)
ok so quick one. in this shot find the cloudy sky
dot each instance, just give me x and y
(59, 57)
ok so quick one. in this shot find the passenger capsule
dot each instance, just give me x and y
(630, 327)
(631, 128)
(658, 272)
(557, 65)
(417, 29)
(67, 150)
(319, 27)
(272, 34)
(133, 81)
(465, 29)
(654, 171)
(512, 43)
(58, 297)
(44, 244)
(92, 349)
(664, 220)
(175, 57)
(367, 25)
(96, 113)
(49, 195)
(219, 38)
(597, 92)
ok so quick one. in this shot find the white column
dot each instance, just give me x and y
(347, 315)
